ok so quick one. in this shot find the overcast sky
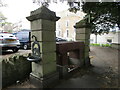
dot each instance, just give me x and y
(19, 9)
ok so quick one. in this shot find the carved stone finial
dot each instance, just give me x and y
(43, 13)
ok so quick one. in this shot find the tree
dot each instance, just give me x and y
(102, 15)
(2, 4)
(4, 25)
(2, 20)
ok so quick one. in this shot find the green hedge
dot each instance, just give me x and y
(15, 68)
(94, 44)
(103, 45)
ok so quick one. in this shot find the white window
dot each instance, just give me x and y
(67, 14)
(67, 33)
(109, 40)
(67, 23)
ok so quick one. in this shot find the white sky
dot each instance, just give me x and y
(19, 9)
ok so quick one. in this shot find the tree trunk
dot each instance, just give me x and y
(95, 38)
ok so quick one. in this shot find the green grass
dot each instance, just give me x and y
(94, 44)
(103, 45)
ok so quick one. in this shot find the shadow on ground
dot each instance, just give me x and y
(102, 74)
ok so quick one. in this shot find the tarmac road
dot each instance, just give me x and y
(103, 74)
(9, 53)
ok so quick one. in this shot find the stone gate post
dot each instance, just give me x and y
(83, 34)
(43, 25)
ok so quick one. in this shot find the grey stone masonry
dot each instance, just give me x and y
(43, 25)
(83, 34)
(43, 13)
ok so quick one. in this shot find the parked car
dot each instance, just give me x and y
(24, 38)
(58, 39)
(9, 41)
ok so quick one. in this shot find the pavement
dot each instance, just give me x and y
(102, 74)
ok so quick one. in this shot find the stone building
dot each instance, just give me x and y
(65, 26)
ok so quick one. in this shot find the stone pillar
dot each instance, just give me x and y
(83, 34)
(43, 25)
(0, 68)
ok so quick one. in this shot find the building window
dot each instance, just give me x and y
(59, 33)
(109, 40)
(67, 33)
(67, 23)
(67, 13)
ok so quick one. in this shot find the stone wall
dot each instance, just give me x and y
(15, 68)
(116, 46)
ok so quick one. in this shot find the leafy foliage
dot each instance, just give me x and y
(2, 4)
(102, 15)
(2, 19)
(103, 45)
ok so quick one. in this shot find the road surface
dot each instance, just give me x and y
(103, 74)
(8, 54)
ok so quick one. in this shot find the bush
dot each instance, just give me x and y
(103, 45)
(106, 45)
(95, 44)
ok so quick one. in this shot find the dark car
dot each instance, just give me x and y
(24, 38)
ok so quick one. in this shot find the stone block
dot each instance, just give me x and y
(63, 71)
(49, 81)
(48, 47)
(82, 36)
(82, 31)
(87, 48)
(37, 70)
(48, 57)
(36, 25)
(49, 68)
(86, 41)
(44, 25)
(86, 54)
(44, 35)
(41, 69)
(82, 40)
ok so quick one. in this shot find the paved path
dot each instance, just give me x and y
(103, 74)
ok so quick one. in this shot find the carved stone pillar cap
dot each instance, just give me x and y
(82, 24)
(43, 13)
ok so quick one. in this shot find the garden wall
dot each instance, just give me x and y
(15, 68)
(116, 45)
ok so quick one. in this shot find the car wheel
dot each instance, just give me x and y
(15, 49)
(25, 47)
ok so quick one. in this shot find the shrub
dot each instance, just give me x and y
(103, 45)
(95, 44)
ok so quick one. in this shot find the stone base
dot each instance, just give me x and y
(63, 71)
(48, 81)
(87, 62)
